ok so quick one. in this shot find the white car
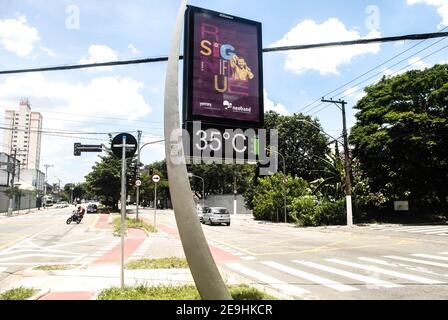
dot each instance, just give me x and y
(216, 215)
(62, 204)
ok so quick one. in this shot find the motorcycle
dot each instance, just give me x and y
(76, 217)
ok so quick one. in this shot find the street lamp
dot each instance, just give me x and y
(191, 175)
(138, 168)
(284, 182)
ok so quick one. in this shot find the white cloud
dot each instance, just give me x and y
(100, 53)
(442, 8)
(17, 37)
(324, 60)
(134, 49)
(355, 92)
(69, 103)
(417, 64)
(269, 105)
(48, 51)
(117, 97)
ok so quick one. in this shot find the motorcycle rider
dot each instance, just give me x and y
(81, 211)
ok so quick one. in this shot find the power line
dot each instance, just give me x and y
(395, 72)
(367, 72)
(265, 50)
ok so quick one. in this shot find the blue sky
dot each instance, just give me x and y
(42, 33)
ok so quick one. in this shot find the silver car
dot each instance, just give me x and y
(214, 216)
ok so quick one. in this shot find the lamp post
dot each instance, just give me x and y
(138, 170)
(284, 182)
(191, 175)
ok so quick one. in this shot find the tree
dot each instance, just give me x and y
(400, 137)
(147, 187)
(221, 178)
(301, 142)
(104, 181)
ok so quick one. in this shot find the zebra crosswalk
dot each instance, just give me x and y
(302, 278)
(438, 230)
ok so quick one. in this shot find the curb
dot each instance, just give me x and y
(40, 294)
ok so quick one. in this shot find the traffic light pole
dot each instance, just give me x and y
(123, 207)
(137, 191)
(348, 186)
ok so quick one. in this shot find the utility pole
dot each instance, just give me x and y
(234, 193)
(139, 136)
(348, 188)
(46, 180)
(13, 175)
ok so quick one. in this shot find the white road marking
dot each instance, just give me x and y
(438, 232)
(36, 255)
(273, 282)
(2, 269)
(75, 242)
(365, 279)
(249, 258)
(311, 277)
(387, 272)
(431, 263)
(429, 256)
(430, 230)
(378, 261)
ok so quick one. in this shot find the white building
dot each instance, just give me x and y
(24, 135)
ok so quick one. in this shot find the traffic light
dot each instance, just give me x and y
(77, 151)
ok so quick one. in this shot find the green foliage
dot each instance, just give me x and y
(400, 138)
(132, 223)
(163, 263)
(147, 187)
(20, 293)
(104, 181)
(14, 192)
(310, 211)
(268, 195)
(331, 183)
(80, 190)
(241, 292)
(301, 142)
(220, 179)
(57, 267)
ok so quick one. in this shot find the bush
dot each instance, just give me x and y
(310, 211)
(268, 197)
(20, 293)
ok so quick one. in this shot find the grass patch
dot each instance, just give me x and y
(131, 223)
(57, 267)
(240, 292)
(164, 263)
(20, 293)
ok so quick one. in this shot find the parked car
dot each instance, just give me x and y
(92, 208)
(216, 216)
(62, 204)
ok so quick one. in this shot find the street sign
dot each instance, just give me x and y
(156, 178)
(131, 145)
(138, 183)
(79, 148)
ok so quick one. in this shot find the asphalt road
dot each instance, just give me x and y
(43, 237)
(370, 262)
